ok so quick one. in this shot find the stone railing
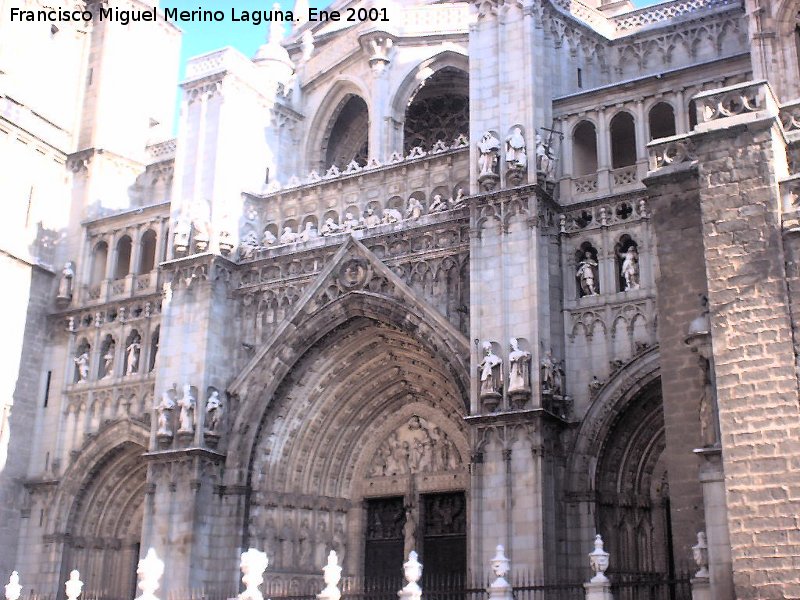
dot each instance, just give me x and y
(226, 59)
(634, 20)
(585, 185)
(670, 151)
(162, 150)
(735, 101)
(624, 177)
(587, 14)
(790, 116)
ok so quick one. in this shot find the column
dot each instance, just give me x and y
(603, 152)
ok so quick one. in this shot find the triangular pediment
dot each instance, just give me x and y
(355, 271)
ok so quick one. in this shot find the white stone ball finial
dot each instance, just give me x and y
(332, 574)
(13, 588)
(73, 586)
(700, 554)
(150, 570)
(598, 559)
(412, 570)
(254, 563)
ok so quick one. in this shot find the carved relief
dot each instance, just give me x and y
(415, 447)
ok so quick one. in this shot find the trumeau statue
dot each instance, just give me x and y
(585, 274)
(515, 150)
(186, 404)
(519, 376)
(489, 147)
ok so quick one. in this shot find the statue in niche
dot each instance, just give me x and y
(108, 360)
(287, 543)
(249, 245)
(439, 204)
(350, 222)
(214, 412)
(65, 283)
(183, 229)
(391, 215)
(329, 227)
(515, 150)
(551, 375)
(488, 147)
(629, 268)
(414, 210)
(409, 531)
(82, 363)
(268, 239)
(186, 416)
(585, 274)
(339, 543)
(544, 162)
(371, 220)
(133, 351)
(165, 408)
(304, 549)
(518, 369)
(288, 236)
(309, 233)
(491, 373)
(458, 201)
(321, 542)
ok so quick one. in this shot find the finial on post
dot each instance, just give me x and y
(150, 570)
(500, 589)
(13, 588)
(598, 559)
(412, 570)
(253, 565)
(332, 574)
(73, 586)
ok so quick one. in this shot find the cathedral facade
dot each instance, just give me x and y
(451, 275)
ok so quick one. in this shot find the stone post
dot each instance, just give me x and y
(701, 586)
(150, 570)
(598, 587)
(412, 571)
(332, 573)
(254, 563)
(500, 589)
(73, 586)
(13, 588)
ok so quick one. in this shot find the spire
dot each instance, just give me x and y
(300, 12)
(275, 28)
(272, 56)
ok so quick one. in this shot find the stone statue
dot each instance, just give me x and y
(551, 376)
(288, 236)
(491, 368)
(309, 233)
(518, 369)
(165, 408)
(585, 273)
(108, 361)
(183, 229)
(133, 351)
(391, 215)
(414, 210)
(330, 227)
(630, 268)
(544, 162)
(488, 146)
(249, 245)
(214, 412)
(409, 531)
(350, 222)
(515, 150)
(268, 239)
(458, 201)
(439, 204)
(708, 417)
(371, 220)
(186, 404)
(65, 283)
(82, 362)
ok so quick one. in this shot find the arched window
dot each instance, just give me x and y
(99, 260)
(123, 266)
(623, 140)
(438, 110)
(348, 139)
(148, 252)
(661, 120)
(584, 149)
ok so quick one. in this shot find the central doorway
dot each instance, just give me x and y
(433, 524)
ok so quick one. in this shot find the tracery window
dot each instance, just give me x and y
(439, 110)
